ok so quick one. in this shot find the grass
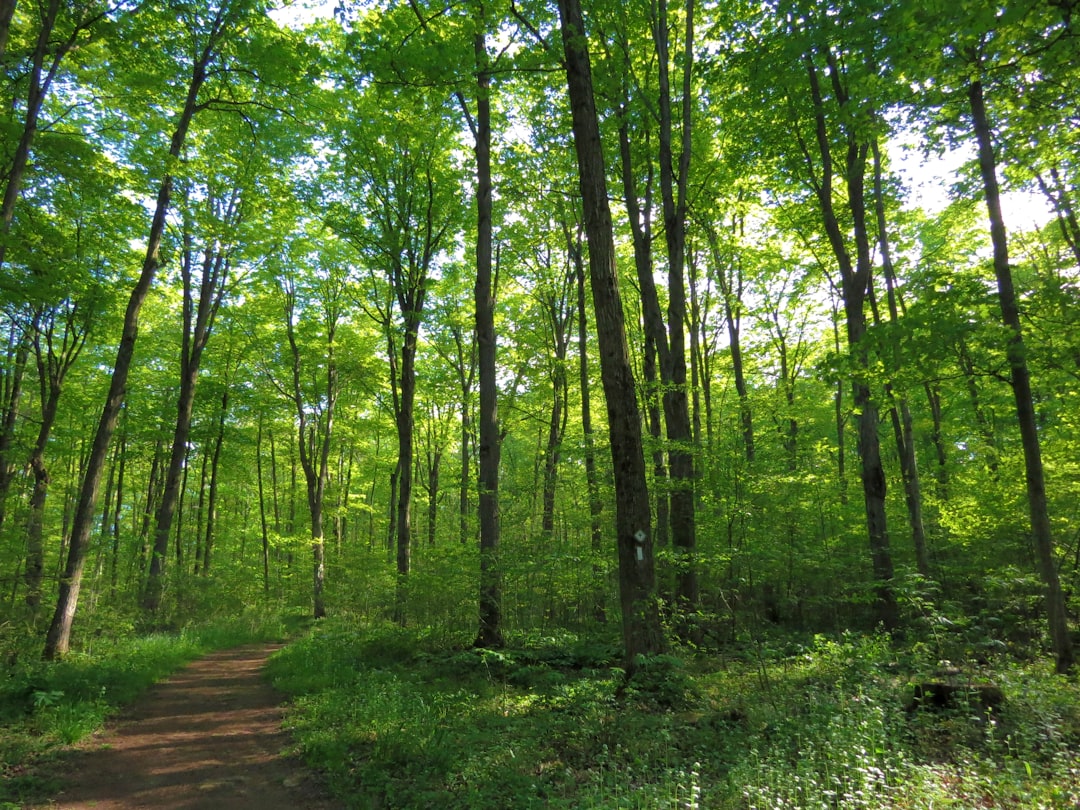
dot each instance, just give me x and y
(46, 706)
(397, 719)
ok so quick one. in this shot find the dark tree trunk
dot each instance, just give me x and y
(262, 508)
(11, 382)
(212, 496)
(1021, 385)
(642, 632)
(489, 634)
(7, 11)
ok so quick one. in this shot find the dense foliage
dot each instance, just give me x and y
(298, 311)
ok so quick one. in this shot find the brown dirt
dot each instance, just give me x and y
(208, 738)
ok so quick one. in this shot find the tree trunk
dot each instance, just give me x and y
(1021, 385)
(674, 180)
(731, 287)
(212, 497)
(405, 424)
(262, 509)
(12, 381)
(489, 634)
(642, 633)
(7, 11)
(855, 279)
(39, 82)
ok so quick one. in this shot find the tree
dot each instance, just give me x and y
(400, 221)
(642, 634)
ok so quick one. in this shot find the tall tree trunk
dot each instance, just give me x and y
(639, 216)
(7, 12)
(489, 634)
(40, 79)
(11, 382)
(855, 280)
(465, 362)
(405, 424)
(937, 438)
(315, 432)
(674, 181)
(215, 466)
(58, 638)
(642, 632)
(434, 463)
(1021, 385)
(559, 311)
(114, 564)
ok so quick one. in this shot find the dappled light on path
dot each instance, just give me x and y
(209, 737)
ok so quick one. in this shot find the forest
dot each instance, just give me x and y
(683, 395)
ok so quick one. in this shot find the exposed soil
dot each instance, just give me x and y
(209, 737)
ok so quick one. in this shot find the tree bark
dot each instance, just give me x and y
(642, 633)
(489, 634)
(1021, 385)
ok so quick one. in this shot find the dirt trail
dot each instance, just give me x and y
(209, 737)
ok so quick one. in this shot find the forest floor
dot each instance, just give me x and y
(208, 737)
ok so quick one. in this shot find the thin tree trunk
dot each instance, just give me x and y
(114, 564)
(489, 634)
(12, 382)
(1021, 385)
(731, 287)
(642, 632)
(262, 508)
(215, 465)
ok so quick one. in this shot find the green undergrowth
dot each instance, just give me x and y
(46, 706)
(398, 719)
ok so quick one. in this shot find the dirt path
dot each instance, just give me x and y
(209, 737)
